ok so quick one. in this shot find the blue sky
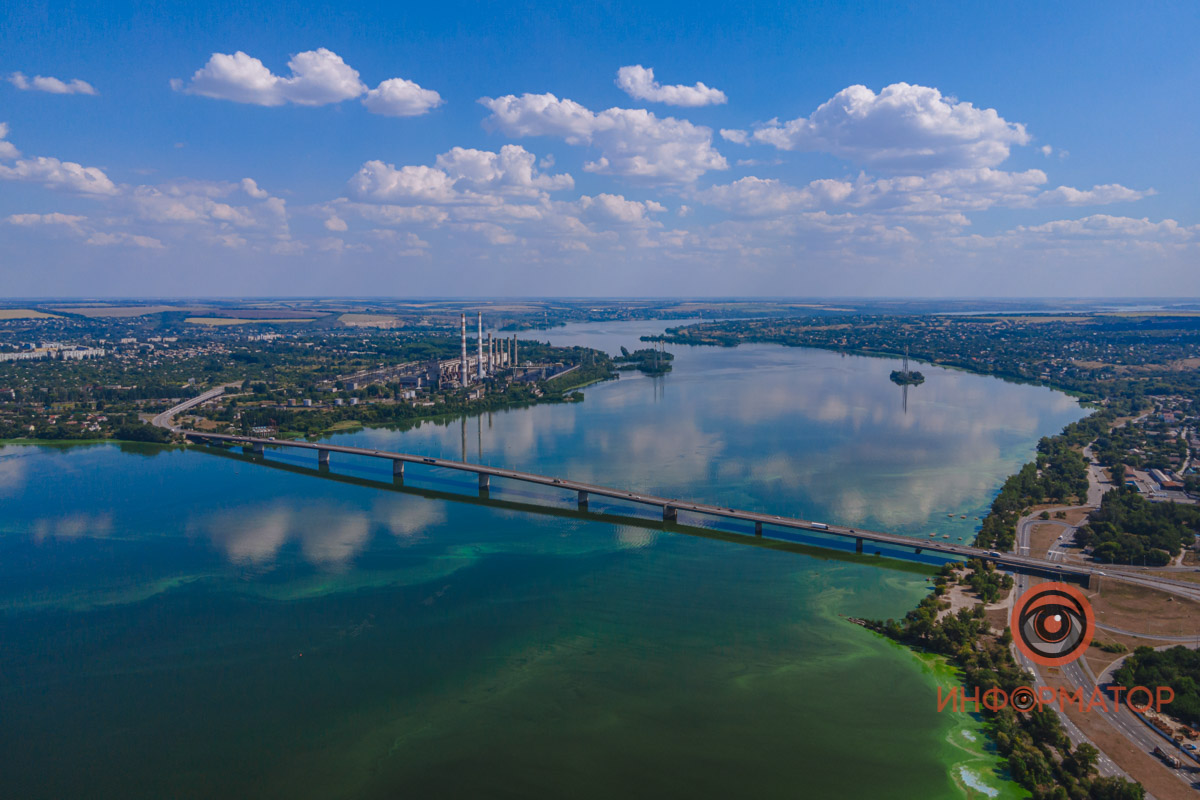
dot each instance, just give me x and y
(848, 149)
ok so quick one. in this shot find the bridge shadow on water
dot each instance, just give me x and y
(434, 486)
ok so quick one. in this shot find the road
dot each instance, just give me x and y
(1078, 673)
(1127, 723)
(1104, 765)
(1098, 485)
(166, 419)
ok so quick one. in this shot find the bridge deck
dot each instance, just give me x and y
(670, 506)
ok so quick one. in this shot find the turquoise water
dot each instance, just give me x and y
(190, 624)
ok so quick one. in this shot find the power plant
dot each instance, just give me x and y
(470, 367)
(499, 354)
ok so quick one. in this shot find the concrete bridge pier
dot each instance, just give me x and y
(258, 449)
(582, 499)
(758, 527)
(858, 545)
(398, 469)
(323, 458)
(670, 513)
(485, 482)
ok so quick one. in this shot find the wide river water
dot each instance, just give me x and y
(182, 623)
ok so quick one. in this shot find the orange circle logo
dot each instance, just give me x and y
(1053, 624)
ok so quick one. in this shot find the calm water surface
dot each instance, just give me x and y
(186, 624)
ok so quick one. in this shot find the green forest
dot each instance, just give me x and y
(1129, 529)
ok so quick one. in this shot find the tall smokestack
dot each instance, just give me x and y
(491, 354)
(516, 359)
(479, 366)
(462, 367)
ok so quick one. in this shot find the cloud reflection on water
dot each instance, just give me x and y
(329, 534)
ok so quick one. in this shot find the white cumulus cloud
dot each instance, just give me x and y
(638, 82)
(69, 221)
(398, 97)
(409, 184)
(318, 77)
(632, 142)
(1097, 195)
(512, 170)
(42, 83)
(7, 149)
(1106, 227)
(903, 128)
(55, 174)
(101, 239)
(944, 194)
(462, 175)
(616, 209)
(250, 187)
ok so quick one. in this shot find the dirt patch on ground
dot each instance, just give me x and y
(371, 321)
(1144, 610)
(1075, 516)
(959, 597)
(997, 618)
(119, 311)
(221, 321)
(1141, 766)
(1042, 535)
(24, 313)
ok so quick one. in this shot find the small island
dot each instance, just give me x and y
(904, 377)
(650, 360)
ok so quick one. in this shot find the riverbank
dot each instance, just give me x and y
(1034, 745)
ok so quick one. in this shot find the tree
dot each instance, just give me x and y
(1082, 760)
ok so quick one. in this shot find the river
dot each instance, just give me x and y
(178, 623)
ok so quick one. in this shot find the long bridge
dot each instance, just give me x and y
(670, 507)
